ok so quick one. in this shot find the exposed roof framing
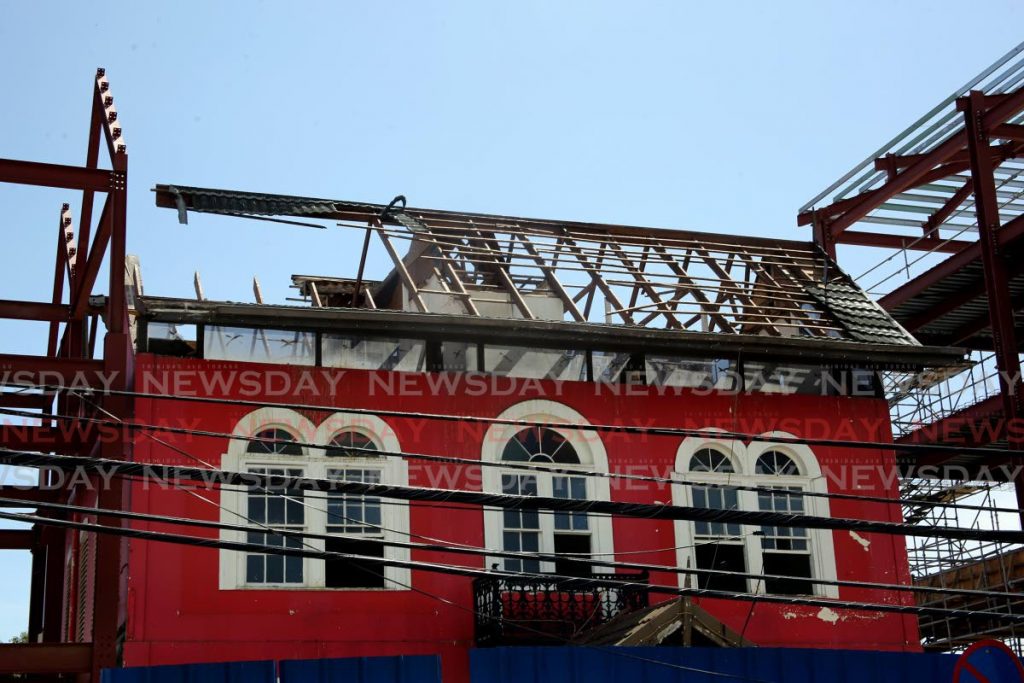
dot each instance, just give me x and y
(916, 191)
(686, 282)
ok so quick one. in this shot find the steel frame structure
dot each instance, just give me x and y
(70, 359)
(950, 188)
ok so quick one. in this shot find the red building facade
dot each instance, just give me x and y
(195, 604)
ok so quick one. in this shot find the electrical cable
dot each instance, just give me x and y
(602, 428)
(476, 551)
(504, 465)
(508, 501)
(564, 582)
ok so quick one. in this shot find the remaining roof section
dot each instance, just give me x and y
(486, 266)
(937, 207)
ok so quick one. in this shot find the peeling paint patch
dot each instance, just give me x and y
(864, 543)
(828, 616)
(789, 615)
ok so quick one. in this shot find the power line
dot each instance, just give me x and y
(625, 429)
(503, 500)
(505, 465)
(565, 582)
(478, 551)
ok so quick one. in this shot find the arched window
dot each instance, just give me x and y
(274, 454)
(717, 545)
(785, 551)
(344, 447)
(277, 442)
(715, 469)
(355, 521)
(572, 454)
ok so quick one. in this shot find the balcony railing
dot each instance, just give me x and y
(533, 611)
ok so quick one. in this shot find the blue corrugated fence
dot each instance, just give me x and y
(415, 669)
(705, 665)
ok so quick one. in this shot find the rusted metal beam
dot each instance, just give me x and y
(18, 371)
(1008, 131)
(403, 273)
(91, 270)
(34, 310)
(946, 210)
(501, 272)
(929, 166)
(551, 277)
(25, 400)
(27, 497)
(876, 239)
(45, 658)
(54, 175)
(646, 286)
(1008, 234)
(16, 539)
(997, 282)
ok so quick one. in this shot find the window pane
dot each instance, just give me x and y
(289, 347)
(715, 498)
(342, 351)
(728, 557)
(788, 564)
(254, 569)
(518, 361)
(687, 372)
(354, 572)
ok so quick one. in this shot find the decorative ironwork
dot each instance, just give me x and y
(534, 611)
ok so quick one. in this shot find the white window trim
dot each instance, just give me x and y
(315, 464)
(744, 457)
(593, 458)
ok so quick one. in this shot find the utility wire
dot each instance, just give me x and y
(564, 582)
(485, 552)
(505, 465)
(602, 428)
(211, 477)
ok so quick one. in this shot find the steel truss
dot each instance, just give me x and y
(76, 603)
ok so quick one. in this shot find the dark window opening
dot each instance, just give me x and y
(576, 544)
(788, 564)
(350, 573)
(726, 557)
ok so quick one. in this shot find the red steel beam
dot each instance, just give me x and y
(1009, 233)
(18, 370)
(45, 658)
(91, 268)
(55, 175)
(924, 169)
(28, 497)
(997, 280)
(17, 539)
(25, 400)
(34, 310)
(876, 239)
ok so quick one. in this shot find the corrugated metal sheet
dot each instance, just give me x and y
(705, 665)
(414, 669)
(230, 672)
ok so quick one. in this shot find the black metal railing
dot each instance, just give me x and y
(536, 611)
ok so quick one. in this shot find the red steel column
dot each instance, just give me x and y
(1000, 306)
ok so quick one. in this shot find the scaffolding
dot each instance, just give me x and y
(945, 200)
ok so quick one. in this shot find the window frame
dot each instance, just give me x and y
(744, 457)
(315, 464)
(593, 458)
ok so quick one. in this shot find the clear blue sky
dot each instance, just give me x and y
(721, 116)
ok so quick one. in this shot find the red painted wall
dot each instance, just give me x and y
(177, 614)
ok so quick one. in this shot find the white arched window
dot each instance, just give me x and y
(356, 524)
(574, 453)
(781, 470)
